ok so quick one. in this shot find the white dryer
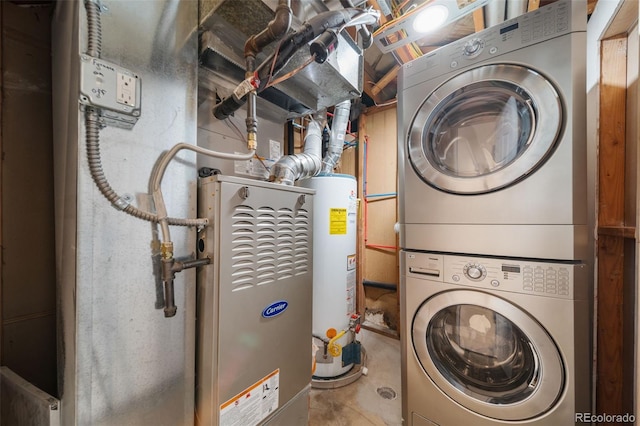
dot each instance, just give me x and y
(492, 147)
(490, 341)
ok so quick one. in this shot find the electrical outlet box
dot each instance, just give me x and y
(126, 89)
(114, 91)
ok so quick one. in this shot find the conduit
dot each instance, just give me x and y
(93, 125)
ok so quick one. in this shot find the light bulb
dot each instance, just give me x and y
(431, 18)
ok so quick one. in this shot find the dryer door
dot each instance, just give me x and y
(488, 355)
(485, 129)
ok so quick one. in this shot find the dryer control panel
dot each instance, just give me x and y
(555, 279)
(551, 21)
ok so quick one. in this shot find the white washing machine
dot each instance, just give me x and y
(492, 142)
(491, 341)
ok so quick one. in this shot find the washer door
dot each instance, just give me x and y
(485, 129)
(488, 355)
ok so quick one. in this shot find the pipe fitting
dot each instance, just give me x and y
(276, 28)
(166, 250)
(306, 164)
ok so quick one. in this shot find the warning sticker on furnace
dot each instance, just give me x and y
(254, 404)
(337, 221)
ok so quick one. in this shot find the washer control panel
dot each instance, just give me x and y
(556, 279)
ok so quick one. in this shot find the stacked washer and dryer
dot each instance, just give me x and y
(496, 254)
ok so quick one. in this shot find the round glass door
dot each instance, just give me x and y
(488, 355)
(485, 129)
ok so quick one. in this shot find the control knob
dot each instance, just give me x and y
(473, 48)
(474, 271)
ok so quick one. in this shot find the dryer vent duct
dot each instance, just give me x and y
(226, 24)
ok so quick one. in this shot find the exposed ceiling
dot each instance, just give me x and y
(380, 69)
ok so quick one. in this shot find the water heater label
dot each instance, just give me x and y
(337, 221)
(254, 404)
(275, 309)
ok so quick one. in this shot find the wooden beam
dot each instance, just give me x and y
(612, 337)
(610, 374)
(369, 82)
(625, 18)
(385, 80)
(618, 231)
(612, 133)
(478, 19)
(360, 249)
(533, 5)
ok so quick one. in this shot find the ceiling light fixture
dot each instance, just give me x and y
(427, 17)
(430, 18)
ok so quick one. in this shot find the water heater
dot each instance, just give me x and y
(335, 320)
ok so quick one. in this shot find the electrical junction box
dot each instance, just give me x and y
(113, 91)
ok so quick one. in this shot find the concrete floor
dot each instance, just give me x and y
(369, 400)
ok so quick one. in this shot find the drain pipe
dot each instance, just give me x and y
(338, 130)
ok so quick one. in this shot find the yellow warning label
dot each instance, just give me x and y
(337, 221)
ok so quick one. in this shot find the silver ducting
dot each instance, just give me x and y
(338, 130)
(306, 164)
(495, 12)
(310, 162)
(516, 8)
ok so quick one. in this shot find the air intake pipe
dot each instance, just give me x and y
(338, 131)
(306, 164)
(309, 163)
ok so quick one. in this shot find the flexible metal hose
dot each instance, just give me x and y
(92, 125)
(94, 28)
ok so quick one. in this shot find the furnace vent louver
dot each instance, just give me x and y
(268, 245)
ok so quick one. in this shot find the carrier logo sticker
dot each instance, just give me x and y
(275, 309)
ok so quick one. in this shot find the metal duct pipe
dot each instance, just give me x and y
(516, 8)
(495, 12)
(338, 130)
(297, 166)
